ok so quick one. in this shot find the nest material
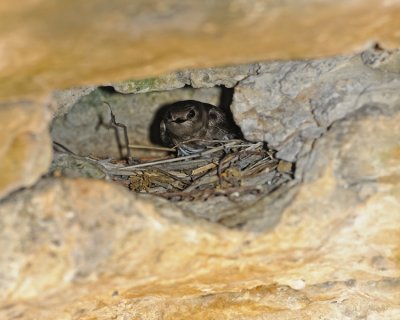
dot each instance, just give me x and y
(226, 168)
(232, 169)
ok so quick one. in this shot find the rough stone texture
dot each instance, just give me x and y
(78, 129)
(62, 101)
(333, 255)
(25, 145)
(287, 104)
(197, 78)
(327, 246)
(290, 104)
(48, 45)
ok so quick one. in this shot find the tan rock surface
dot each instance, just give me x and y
(81, 249)
(46, 45)
(326, 247)
(25, 145)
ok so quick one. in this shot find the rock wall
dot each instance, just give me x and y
(25, 152)
(48, 45)
(326, 245)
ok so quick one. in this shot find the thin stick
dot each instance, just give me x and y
(115, 124)
(152, 163)
(59, 145)
(136, 146)
(197, 155)
(209, 141)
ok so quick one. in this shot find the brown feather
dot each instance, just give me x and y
(190, 119)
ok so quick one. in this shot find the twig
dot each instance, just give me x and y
(136, 146)
(61, 146)
(197, 155)
(114, 124)
(200, 175)
(207, 141)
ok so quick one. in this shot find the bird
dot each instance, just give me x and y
(190, 125)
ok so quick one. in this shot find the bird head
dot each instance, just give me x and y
(184, 118)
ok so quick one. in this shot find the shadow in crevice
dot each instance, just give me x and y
(109, 90)
(154, 129)
(225, 102)
(226, 98)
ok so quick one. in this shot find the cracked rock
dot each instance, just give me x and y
(288, 104)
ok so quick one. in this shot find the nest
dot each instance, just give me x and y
(229, 168)
(232, 168)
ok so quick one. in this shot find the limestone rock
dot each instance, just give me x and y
(324, 246)
(63, 100)
(81, 43)
(25, 145)
(169, 81)
(89, 249)
(290, 104)
(227, 76)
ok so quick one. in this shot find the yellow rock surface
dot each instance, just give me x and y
(91, 250)
(82, 249)
(25, 145)
(57, 44)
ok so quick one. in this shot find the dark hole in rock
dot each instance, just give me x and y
(227, 190)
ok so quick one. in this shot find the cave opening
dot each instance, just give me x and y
(290, 105)
(236, 176)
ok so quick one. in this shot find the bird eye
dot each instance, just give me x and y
(191, 114)
(213, 115)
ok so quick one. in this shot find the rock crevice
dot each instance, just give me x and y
(325, 244)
